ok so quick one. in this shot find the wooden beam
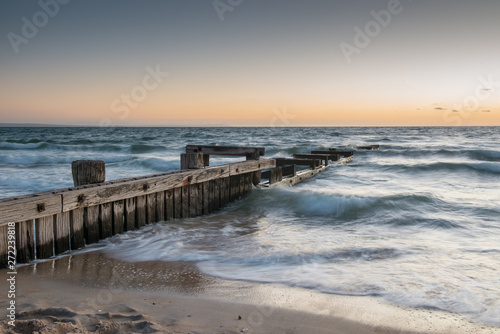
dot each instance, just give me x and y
(301, 176)
(250, 152)
(332, 152)
(251, 166)
(324, 157)
(25, 208)
(313, 163)
(95, 195)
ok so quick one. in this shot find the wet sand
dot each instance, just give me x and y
(91, 293)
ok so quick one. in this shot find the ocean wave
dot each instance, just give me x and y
(434, 167)
(143, 148)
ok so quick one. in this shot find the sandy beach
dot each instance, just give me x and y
(90, 293)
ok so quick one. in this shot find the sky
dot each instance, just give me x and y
(250, 62)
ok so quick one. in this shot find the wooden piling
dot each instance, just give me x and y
(192, 160)
(185, 202)
(169, 204)
(77, 228)
(130, 210)
(61, 232)
(160, 207)
(25, 241)
(44, 237)
(177, 202)
(106, 220)
(91, 224)
(88, 172)
(151, 209)
(140, 211)
(118, 217)
(4, 246)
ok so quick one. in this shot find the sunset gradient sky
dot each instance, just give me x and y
(275, 62)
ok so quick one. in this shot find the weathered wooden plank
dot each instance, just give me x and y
(257, 177)
(130, 209)
(276, 175)
(118, 217)
(4, 246)
(192, 160)
(91, 224)
(322, 157)
(211, 196)
(61, 232)
(25, 241)
(251, 166)
(289, 170)
(151, 209)
(110, 192)
(195, 205)
(245, 180)
(88, 172)
(333, 153)
(169, 204)
(235, 188)
(218, 192)
(160, 206)
(300, 162)
(25, 208)
(140, 212)
(185, 201)
(177, 202)
(301, 176)
(205, 187)
(77, 228)
(106, 220)
(226, 150)
(44, 228)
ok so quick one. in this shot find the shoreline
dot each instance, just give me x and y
(89, 292)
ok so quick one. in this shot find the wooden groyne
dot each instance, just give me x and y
(53, 222)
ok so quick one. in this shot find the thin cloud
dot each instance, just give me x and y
(439, 108)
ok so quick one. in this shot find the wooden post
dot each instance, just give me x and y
(276, 175)
(256, 177)
(77, 228)
(25, 241)
(61, 232)
(44, 237)
(192, 160)
(88, 172)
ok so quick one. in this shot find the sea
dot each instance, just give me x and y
(416, 223)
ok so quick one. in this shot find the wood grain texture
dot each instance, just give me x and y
(130, 209)
(25, 208)
(177, 202)
(25, 241)
(77, 229)
(94, 195)
(88, 172)
(4, 249)
(185, 202)
(106, 220)
(169, 204)
(151, 208)
(140, 212)
(225, 150)
(118, 217)
(44, 237)
(205, 187)
(160, 206)
(235, 188)
(91, 224)
(251, 166)
(61, 232)
(217, 194)
(194, 200)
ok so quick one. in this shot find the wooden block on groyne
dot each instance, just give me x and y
(52, 222)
